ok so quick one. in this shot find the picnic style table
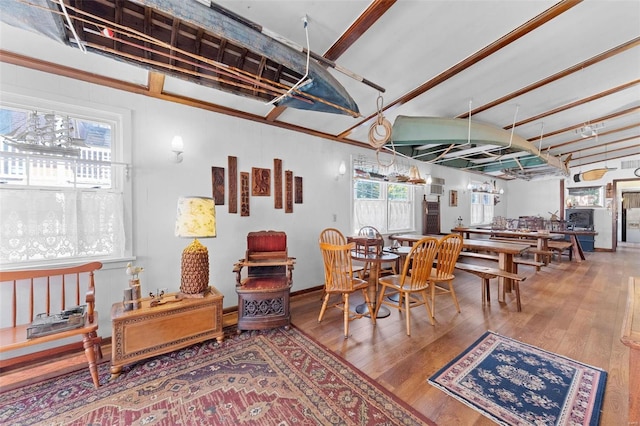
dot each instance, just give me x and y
(505, 250)
(542, 238)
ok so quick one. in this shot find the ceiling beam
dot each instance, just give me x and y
(65, 71)
(471, 60)
(608, 132)
(375, 10)
(369, 17)
(557, 76)
(155, 82)
(576, 103)
(596, 120)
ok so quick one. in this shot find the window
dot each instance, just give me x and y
(61, 195)
(482, 208)
(389, 207)
(587, 196)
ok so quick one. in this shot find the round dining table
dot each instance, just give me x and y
(374, 259)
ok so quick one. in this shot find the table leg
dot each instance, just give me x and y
(543, 246)
(372, 290)
(505, 262)
(578, 253)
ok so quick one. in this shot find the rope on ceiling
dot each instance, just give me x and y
(380, 133)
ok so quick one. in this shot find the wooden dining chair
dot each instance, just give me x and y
(339, 279)
(335, 237)
(449, 249)
(412, 282)
(373, 234)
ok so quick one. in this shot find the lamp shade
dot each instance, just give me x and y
(196, 217)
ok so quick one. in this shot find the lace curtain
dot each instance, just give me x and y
(372, 213)
(631, 200)
(38, 224)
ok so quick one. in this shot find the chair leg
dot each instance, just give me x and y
(407, 314)
(89, 351)
(324, 306)
(432, 286)
(454, 296)
(431, 309)
(345, 301)
(372, 312)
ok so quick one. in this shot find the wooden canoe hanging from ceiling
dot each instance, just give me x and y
(191, 41)
(473, 146)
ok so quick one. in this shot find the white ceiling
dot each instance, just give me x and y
(451, 54)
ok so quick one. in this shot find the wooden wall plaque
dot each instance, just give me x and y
(217, 184)
(288, 183)
(244, 194)
(261, 182)
(298, 189)
(233, 184)
(277, 183)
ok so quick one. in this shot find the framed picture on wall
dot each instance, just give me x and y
(453, 198)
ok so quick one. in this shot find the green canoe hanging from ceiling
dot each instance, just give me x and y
(471, 145)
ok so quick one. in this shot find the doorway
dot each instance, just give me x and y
(624, 219)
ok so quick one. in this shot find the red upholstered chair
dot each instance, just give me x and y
(263, 294)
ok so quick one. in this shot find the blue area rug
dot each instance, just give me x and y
(514, 383)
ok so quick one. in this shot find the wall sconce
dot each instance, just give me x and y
(501, 191)
(429, 180)
(177, 147)
(342, 169)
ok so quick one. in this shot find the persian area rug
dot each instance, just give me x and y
(274, 377)
(514, 383)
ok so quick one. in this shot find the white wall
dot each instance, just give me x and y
(209, 138)
(542, 197)
(537, 198)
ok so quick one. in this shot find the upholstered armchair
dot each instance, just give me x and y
(264, 286)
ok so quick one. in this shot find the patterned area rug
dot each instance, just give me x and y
(275, 377)
(514, 383)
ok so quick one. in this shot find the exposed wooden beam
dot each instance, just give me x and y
(557, 76)
(620, 129)
(546, 16)
(155, 82)
(595, 120)
(65, 71)
(577, 103)
(375, 10)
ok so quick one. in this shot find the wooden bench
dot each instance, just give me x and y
(545, 255)
(486, 274)
(560, 246)
(478, 255)
(521, 261)
(27, 293)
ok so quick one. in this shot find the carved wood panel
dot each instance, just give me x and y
(277, 183)
(244, 194)
(233, 184)
(217, 184)
(298, 189)
(261, 182)
(288, 182)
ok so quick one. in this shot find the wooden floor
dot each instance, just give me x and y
(573, 309)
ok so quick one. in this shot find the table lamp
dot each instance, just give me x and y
(196, 218)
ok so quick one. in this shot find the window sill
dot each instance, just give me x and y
(111, 263)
